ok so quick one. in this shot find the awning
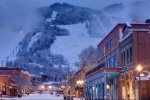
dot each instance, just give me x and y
(103, 74)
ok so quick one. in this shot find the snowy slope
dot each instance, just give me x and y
(72, 45)
(54, 14)
(34, 39)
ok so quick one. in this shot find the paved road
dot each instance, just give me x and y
(37, 97)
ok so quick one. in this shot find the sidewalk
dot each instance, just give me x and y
(78, 99)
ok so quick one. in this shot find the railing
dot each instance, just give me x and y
(95, 69)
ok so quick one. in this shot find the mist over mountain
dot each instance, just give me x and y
(39, 48)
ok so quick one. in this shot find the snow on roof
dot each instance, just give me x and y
(128, 24)
(25, 72)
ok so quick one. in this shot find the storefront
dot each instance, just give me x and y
(102, 86)
(129, 88)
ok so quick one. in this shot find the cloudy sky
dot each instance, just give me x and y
(20, 13)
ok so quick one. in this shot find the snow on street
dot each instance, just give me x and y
(37, 97)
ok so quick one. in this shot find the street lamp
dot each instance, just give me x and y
(107, 86)
(42, 87)
(80, 84)
(49, 87)
(139, 69)
(63, 87)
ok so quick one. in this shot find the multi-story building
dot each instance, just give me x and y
(101, 82)
(134, 50)
(76, 81)
(71, 86)
(115, 77)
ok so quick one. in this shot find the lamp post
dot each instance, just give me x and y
(139, 69)
(80, 84)
(108, 90)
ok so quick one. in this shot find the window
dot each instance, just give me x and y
(126, 56)
(112, 61)
(110, 44)
(104, 50)
(130, 55)
(107, 47)
(122, 59)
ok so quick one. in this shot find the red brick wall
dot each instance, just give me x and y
(14, 73)
(114, 35)
(142, 48)
(5, 79)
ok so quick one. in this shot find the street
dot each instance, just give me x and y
(37, 97)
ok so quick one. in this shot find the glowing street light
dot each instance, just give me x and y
(107, 86)
(42, 87)
(49, 87)
(80, 82)
(62, 87)
(139, 68)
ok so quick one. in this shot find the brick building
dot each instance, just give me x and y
(115, 77)
(76, 81)
(8, 80)
(13, 80)
(101, 82)
(134, 50)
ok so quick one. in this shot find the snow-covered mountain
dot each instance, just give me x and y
(64, 31)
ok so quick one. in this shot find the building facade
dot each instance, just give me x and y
(77, 80)
(115, 77)
(101, 82)
(9, 80)
(134, 50)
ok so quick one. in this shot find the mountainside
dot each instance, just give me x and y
(64, 31)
